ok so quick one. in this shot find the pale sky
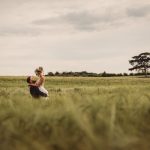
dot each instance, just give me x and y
(72, 35)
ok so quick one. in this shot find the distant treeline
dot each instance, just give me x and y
(91, 74)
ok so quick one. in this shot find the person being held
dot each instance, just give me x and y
(37, 87)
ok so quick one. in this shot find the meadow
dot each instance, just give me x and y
(79, 114)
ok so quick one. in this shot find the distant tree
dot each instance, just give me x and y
(57, 73)
(141, 63)
(125, 74)
(50, 74)
(131, 74)
(85, 74)
(119, 74)
(104, 74)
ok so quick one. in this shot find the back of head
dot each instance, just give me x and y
(29, 79)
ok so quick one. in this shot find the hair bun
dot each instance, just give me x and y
(38, 70)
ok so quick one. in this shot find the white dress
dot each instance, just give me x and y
(41, 88)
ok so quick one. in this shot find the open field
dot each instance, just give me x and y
(80, 114)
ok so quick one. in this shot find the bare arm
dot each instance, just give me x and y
(41, 81)
(33, 84)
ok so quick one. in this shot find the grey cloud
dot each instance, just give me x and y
(91, 21)
(79, 20)
(87, 21)
(139, 11)
(20, 31)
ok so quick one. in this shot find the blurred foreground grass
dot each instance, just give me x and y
(80, 114)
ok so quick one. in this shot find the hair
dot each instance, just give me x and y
(38, 70)
(29, 79)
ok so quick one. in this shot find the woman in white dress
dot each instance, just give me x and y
(40, 82)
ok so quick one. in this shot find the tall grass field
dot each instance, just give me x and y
(79, 114)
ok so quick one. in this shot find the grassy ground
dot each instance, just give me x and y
(80, 114)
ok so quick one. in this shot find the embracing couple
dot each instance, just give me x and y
(36, 85)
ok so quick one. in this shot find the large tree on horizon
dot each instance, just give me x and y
(141, 63)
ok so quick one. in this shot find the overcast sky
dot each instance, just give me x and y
(72, 35)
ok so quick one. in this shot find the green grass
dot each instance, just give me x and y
(80, 114)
